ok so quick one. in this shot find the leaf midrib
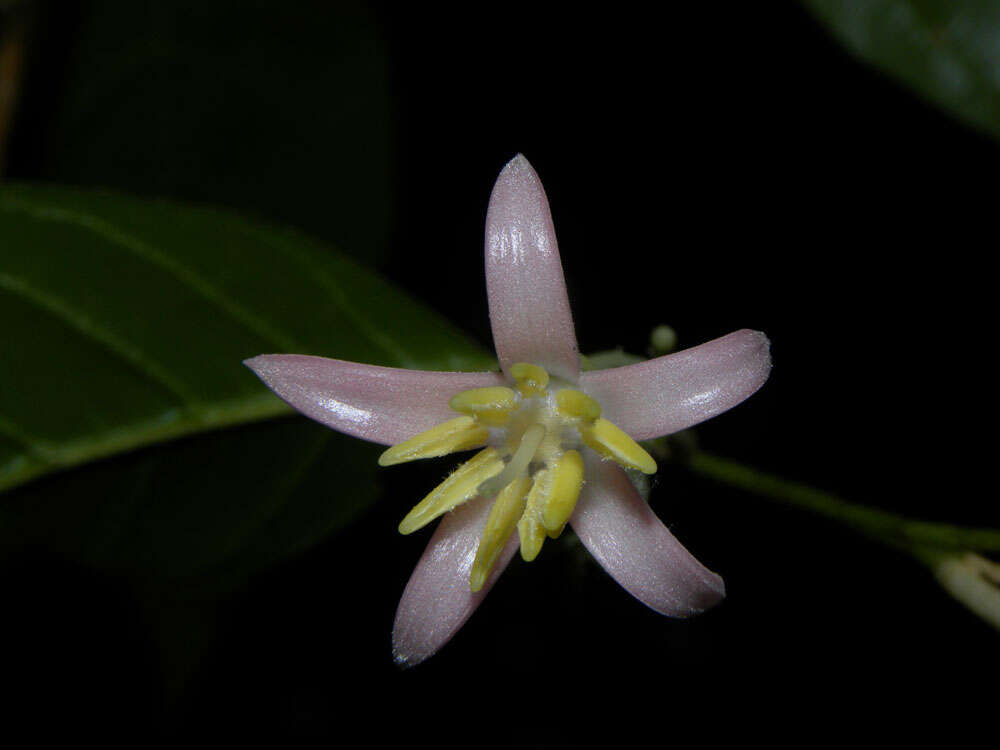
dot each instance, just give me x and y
(190, 416)
(146, 252)
(45, 457)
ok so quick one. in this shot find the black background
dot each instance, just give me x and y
(713, 168)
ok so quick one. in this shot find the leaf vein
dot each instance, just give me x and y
(93, 331)
(396, 350)
(33, 446)
(150, 254)
(163, 428)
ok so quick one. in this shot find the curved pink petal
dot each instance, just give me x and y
(632, 544)
(529, 309)
(437, 600)
(679, 390)
(383, 404)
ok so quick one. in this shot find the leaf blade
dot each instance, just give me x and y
(943, 50)
(128, 321)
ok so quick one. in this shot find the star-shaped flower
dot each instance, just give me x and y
(554, 440)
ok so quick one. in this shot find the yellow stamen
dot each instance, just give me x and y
(531, 379)
(573, 403)
(500, 525)
(518, 463)
(610, 441)
(459, 434)
(490, 406)
(462, 485)
(563, 490)
(530, 527)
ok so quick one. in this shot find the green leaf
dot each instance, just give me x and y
(126, 322)
(204, 513)
(285, 112)
(946, 50)
(125, 325)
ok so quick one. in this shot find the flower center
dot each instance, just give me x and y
(531, 466)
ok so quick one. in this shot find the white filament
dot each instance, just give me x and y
(518, 463)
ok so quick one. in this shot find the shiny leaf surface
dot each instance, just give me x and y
(126, 322)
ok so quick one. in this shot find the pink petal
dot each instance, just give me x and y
(529, 308)
(629, 541)
(437, 600)
(679, 390)
(383, 404)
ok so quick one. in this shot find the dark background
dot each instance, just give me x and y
(722, 167)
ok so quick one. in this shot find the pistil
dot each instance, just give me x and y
(536, 489)
(518, 463)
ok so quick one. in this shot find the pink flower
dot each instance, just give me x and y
(553, 439)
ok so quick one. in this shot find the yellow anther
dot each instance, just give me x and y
(609, 440)
(573, 403)
(531, 379)
(565, 480)
(491, 406)
(459, 434)
(462, 485)
(500, 524)
(530, 527)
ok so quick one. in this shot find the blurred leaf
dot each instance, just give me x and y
(185, 629)
(189, 523)
(279, 109)
(126, 322)
(125, 325)
(202, 513)
(946, 50)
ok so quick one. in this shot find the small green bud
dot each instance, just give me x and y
(662, 340)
